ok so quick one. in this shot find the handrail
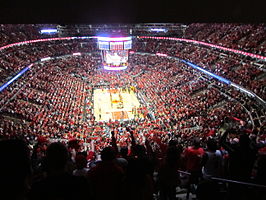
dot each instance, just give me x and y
(184, 172)
(238, 182)
(229, 181)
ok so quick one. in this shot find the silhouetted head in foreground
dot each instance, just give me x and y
(81, 161)
(56, 157)
(173, 143)
(124, 151)
(212, 144)
(172, 155)
(196, 142)
(139, 151)
(108, 154)
(244, 140)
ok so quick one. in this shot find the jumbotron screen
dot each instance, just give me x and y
(115, 59)
(114, 52)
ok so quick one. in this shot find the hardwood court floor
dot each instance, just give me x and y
(114, 104)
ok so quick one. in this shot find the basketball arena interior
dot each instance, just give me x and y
(157, 111)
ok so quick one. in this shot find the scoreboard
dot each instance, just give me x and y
(114, 52)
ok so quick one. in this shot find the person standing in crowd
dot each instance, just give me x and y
(212, 166)
(81, 165)
(192, 159)
(59, 184)
(106, 177)
(242, 156)
(168, 178)
(212, 160)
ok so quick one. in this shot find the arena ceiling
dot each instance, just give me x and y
(119, 11)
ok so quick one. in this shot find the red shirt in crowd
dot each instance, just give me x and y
(193, 158)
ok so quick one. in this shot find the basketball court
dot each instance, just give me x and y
(115, 104)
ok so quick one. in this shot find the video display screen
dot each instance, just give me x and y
(116, 58)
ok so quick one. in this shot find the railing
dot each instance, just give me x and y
(228, 180)
(238, 182)
(233, 189)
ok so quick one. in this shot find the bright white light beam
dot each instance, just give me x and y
(52, 30)
(158, 29)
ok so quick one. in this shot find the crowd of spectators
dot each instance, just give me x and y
(245, 37)
(185, 114)
(59, 170)
(12, 33)
(233, 67)
(54, 99)
(15, 59)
